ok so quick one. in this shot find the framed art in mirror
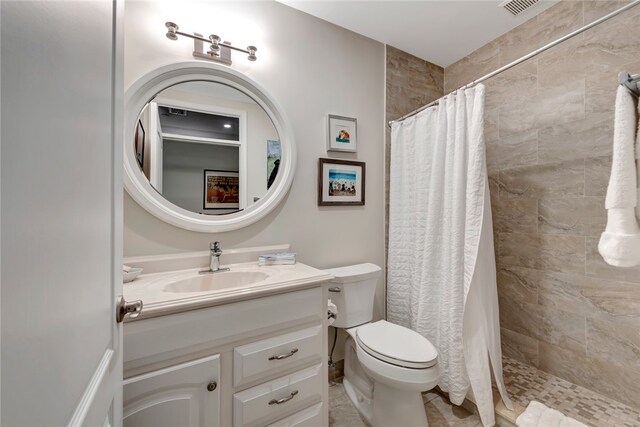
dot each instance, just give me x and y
(222, 190)
(139, 143)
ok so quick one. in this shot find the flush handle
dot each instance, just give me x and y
(284, 399)
(124, 308)
(284, 356)
(335, 289)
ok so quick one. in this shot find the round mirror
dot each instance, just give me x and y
(205, 148)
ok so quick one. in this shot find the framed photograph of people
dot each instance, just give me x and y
(341, 182)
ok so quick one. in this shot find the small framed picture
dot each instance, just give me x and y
(342, 134)
(221, 190)
(139, 144)
(341, 183)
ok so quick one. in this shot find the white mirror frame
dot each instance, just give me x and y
(138, 186)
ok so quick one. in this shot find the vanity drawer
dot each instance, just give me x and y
(150, 340)
(277, 398)
(310, 417)
(275, 354)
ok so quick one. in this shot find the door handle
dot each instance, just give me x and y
(124, 308)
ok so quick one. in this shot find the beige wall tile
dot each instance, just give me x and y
(562, 328)
(575, 140)
(517, 85)
(548, 180)
(617, 302)
(515, 216)
(596, 175)
(595, 9)
(584, 216)
(518, 283)
(615, 343)
(561, 253)
(516, 149)
(559, 104)
(519, 347)
(519, 250)
(559, 20)
(520, 317)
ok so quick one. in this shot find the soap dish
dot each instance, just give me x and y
(128, 276)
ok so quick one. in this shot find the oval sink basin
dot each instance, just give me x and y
(217, 281)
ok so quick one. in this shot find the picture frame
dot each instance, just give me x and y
(341, 182)
(342, 134)
(139, 140)
(221, 190)
(274, 157)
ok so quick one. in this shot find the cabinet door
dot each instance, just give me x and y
(185, 395)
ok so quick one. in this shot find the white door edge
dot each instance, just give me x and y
(89, 394)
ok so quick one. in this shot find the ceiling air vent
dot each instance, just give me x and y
(516, 7)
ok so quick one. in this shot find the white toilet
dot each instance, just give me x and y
(386, 366)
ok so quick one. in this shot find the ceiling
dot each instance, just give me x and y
(439, 31)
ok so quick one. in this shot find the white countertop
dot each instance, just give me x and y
(158, 302)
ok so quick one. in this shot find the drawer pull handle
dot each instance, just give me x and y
(335, 289)
(284, 399)
(212, 386)
(284, 356)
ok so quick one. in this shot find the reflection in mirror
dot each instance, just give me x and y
(207, 147)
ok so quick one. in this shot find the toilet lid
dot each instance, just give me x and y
(396, 345)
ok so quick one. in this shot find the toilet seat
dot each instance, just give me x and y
(396, 345)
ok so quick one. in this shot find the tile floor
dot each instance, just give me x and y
(440, 412)
(524, 383)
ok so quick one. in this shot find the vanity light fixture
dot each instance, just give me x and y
(219, 51)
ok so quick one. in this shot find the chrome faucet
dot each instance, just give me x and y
(214, 259)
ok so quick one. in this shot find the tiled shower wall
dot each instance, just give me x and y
(549, 129)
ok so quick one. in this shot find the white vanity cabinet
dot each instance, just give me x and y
(266, 356)
(183, 395)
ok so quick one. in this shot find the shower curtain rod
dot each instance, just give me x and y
(529, 56)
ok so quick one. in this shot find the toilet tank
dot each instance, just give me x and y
(352, 291)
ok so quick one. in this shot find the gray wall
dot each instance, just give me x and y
(184, 164)
(308, 85)
(549, 132)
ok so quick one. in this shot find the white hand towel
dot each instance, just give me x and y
(539, 415)
(620, 243)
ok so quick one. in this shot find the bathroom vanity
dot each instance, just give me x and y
(245, 347)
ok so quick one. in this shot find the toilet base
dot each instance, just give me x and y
(394, 407)
(379, 404)
(363, 404)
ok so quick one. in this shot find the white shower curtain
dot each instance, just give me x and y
(441, 263)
